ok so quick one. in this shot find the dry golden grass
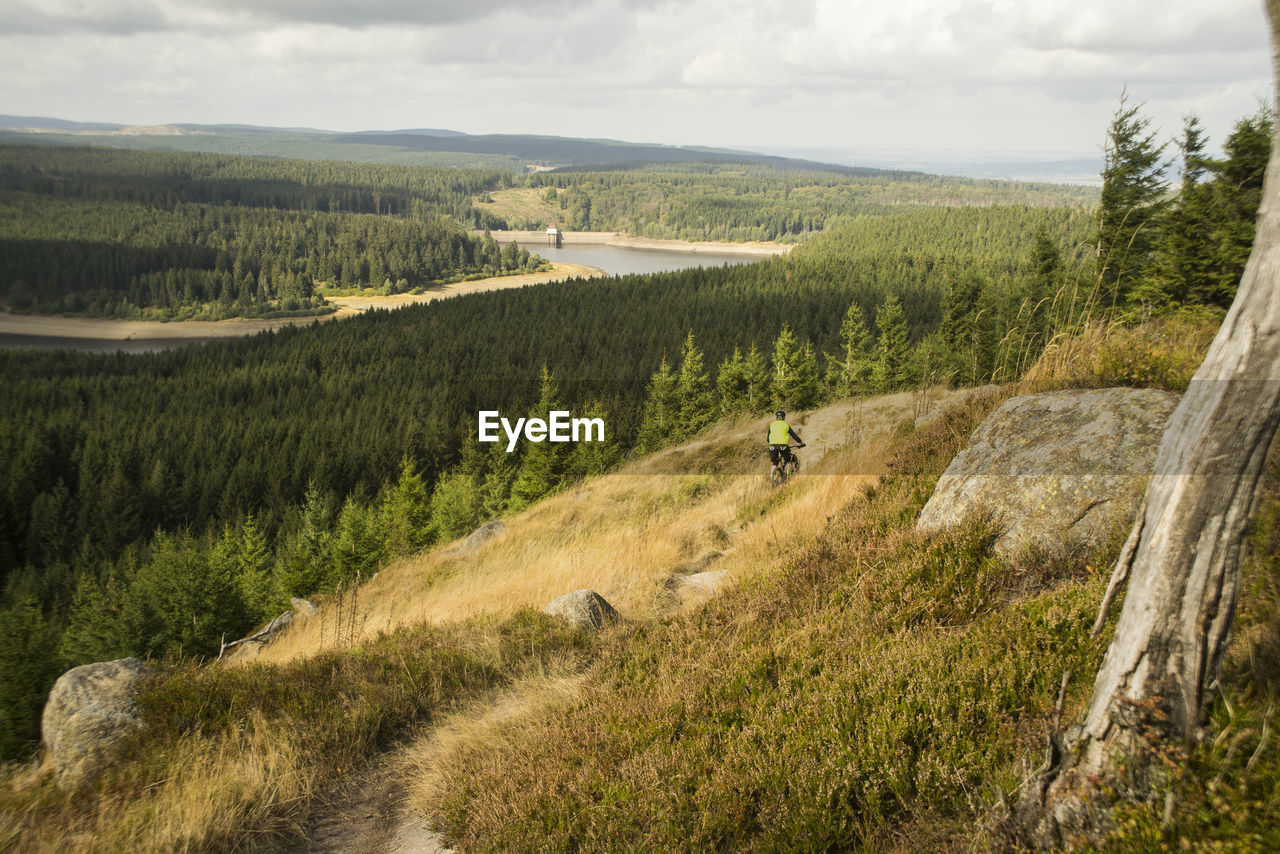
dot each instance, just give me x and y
(1069, 359)
(501, 719)
(212, 785)
(632, 535)
(1163, 352)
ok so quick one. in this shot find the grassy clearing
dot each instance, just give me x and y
(522, 206)
(876, 689)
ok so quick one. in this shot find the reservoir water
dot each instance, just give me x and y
(621, 260)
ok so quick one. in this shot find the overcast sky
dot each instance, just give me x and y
(1031, 76)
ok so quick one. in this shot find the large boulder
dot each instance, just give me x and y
(1057, 470)
(582, 608)
(478, 537)
(91, 710)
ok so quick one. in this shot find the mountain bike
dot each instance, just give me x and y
(785, 468)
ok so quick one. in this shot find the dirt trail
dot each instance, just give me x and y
(366, 813)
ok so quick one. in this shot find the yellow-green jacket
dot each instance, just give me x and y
(780, 433)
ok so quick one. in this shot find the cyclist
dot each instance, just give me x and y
(780, 436)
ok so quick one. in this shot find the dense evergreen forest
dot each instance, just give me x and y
(173, 236)
(156, 502)
(730, 201)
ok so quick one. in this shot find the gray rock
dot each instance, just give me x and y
(1057, 470)
(582, 608)
(703, 583)
(478, 537)
(303, 607)
(91, 710)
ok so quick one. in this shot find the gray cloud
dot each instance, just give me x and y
(370, 13)
(108, 17)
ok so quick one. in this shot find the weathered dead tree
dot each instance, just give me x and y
(1181, 560)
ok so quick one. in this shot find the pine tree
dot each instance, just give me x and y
(786, 353)
(889, 372)
(406, 512)
(498, 475)
(756, 370)
(1046, 287)
(693, 391)
(456, 506)
(28, 668)
(1182, 267)
(662, 410)
(543, 466)
(358, 548)
(243, 554)
(304, 565)
(1131, 203)
(795, 373)
(588, 459)
(182, 602)
(1236, 193)
(731, 385)
(853, 374)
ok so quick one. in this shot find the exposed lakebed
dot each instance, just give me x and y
(608, 254)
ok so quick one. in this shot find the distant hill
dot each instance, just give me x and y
(557, 151)
(43, 123)
(418, 146)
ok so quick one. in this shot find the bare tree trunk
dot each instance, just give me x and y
(1182, 557)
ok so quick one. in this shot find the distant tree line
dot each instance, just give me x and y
(166, 236)
(731, 201)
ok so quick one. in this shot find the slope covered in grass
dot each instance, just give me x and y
(854, 684)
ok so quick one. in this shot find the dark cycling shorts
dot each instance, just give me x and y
(780, 453)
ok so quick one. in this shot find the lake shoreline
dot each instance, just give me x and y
(44, 330)
(617, 238)
(109, 334)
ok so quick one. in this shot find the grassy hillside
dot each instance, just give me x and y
(854, 683)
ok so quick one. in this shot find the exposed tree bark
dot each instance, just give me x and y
(1181, 559)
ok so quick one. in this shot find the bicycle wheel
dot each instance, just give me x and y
(776, 476)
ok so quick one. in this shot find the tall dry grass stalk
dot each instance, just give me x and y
(1068, 359)
(212, 788)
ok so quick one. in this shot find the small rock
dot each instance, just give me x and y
(304, 607)
(91, 710)
(582, 608)
(703, 583)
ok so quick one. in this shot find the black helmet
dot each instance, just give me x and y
(780, 414)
